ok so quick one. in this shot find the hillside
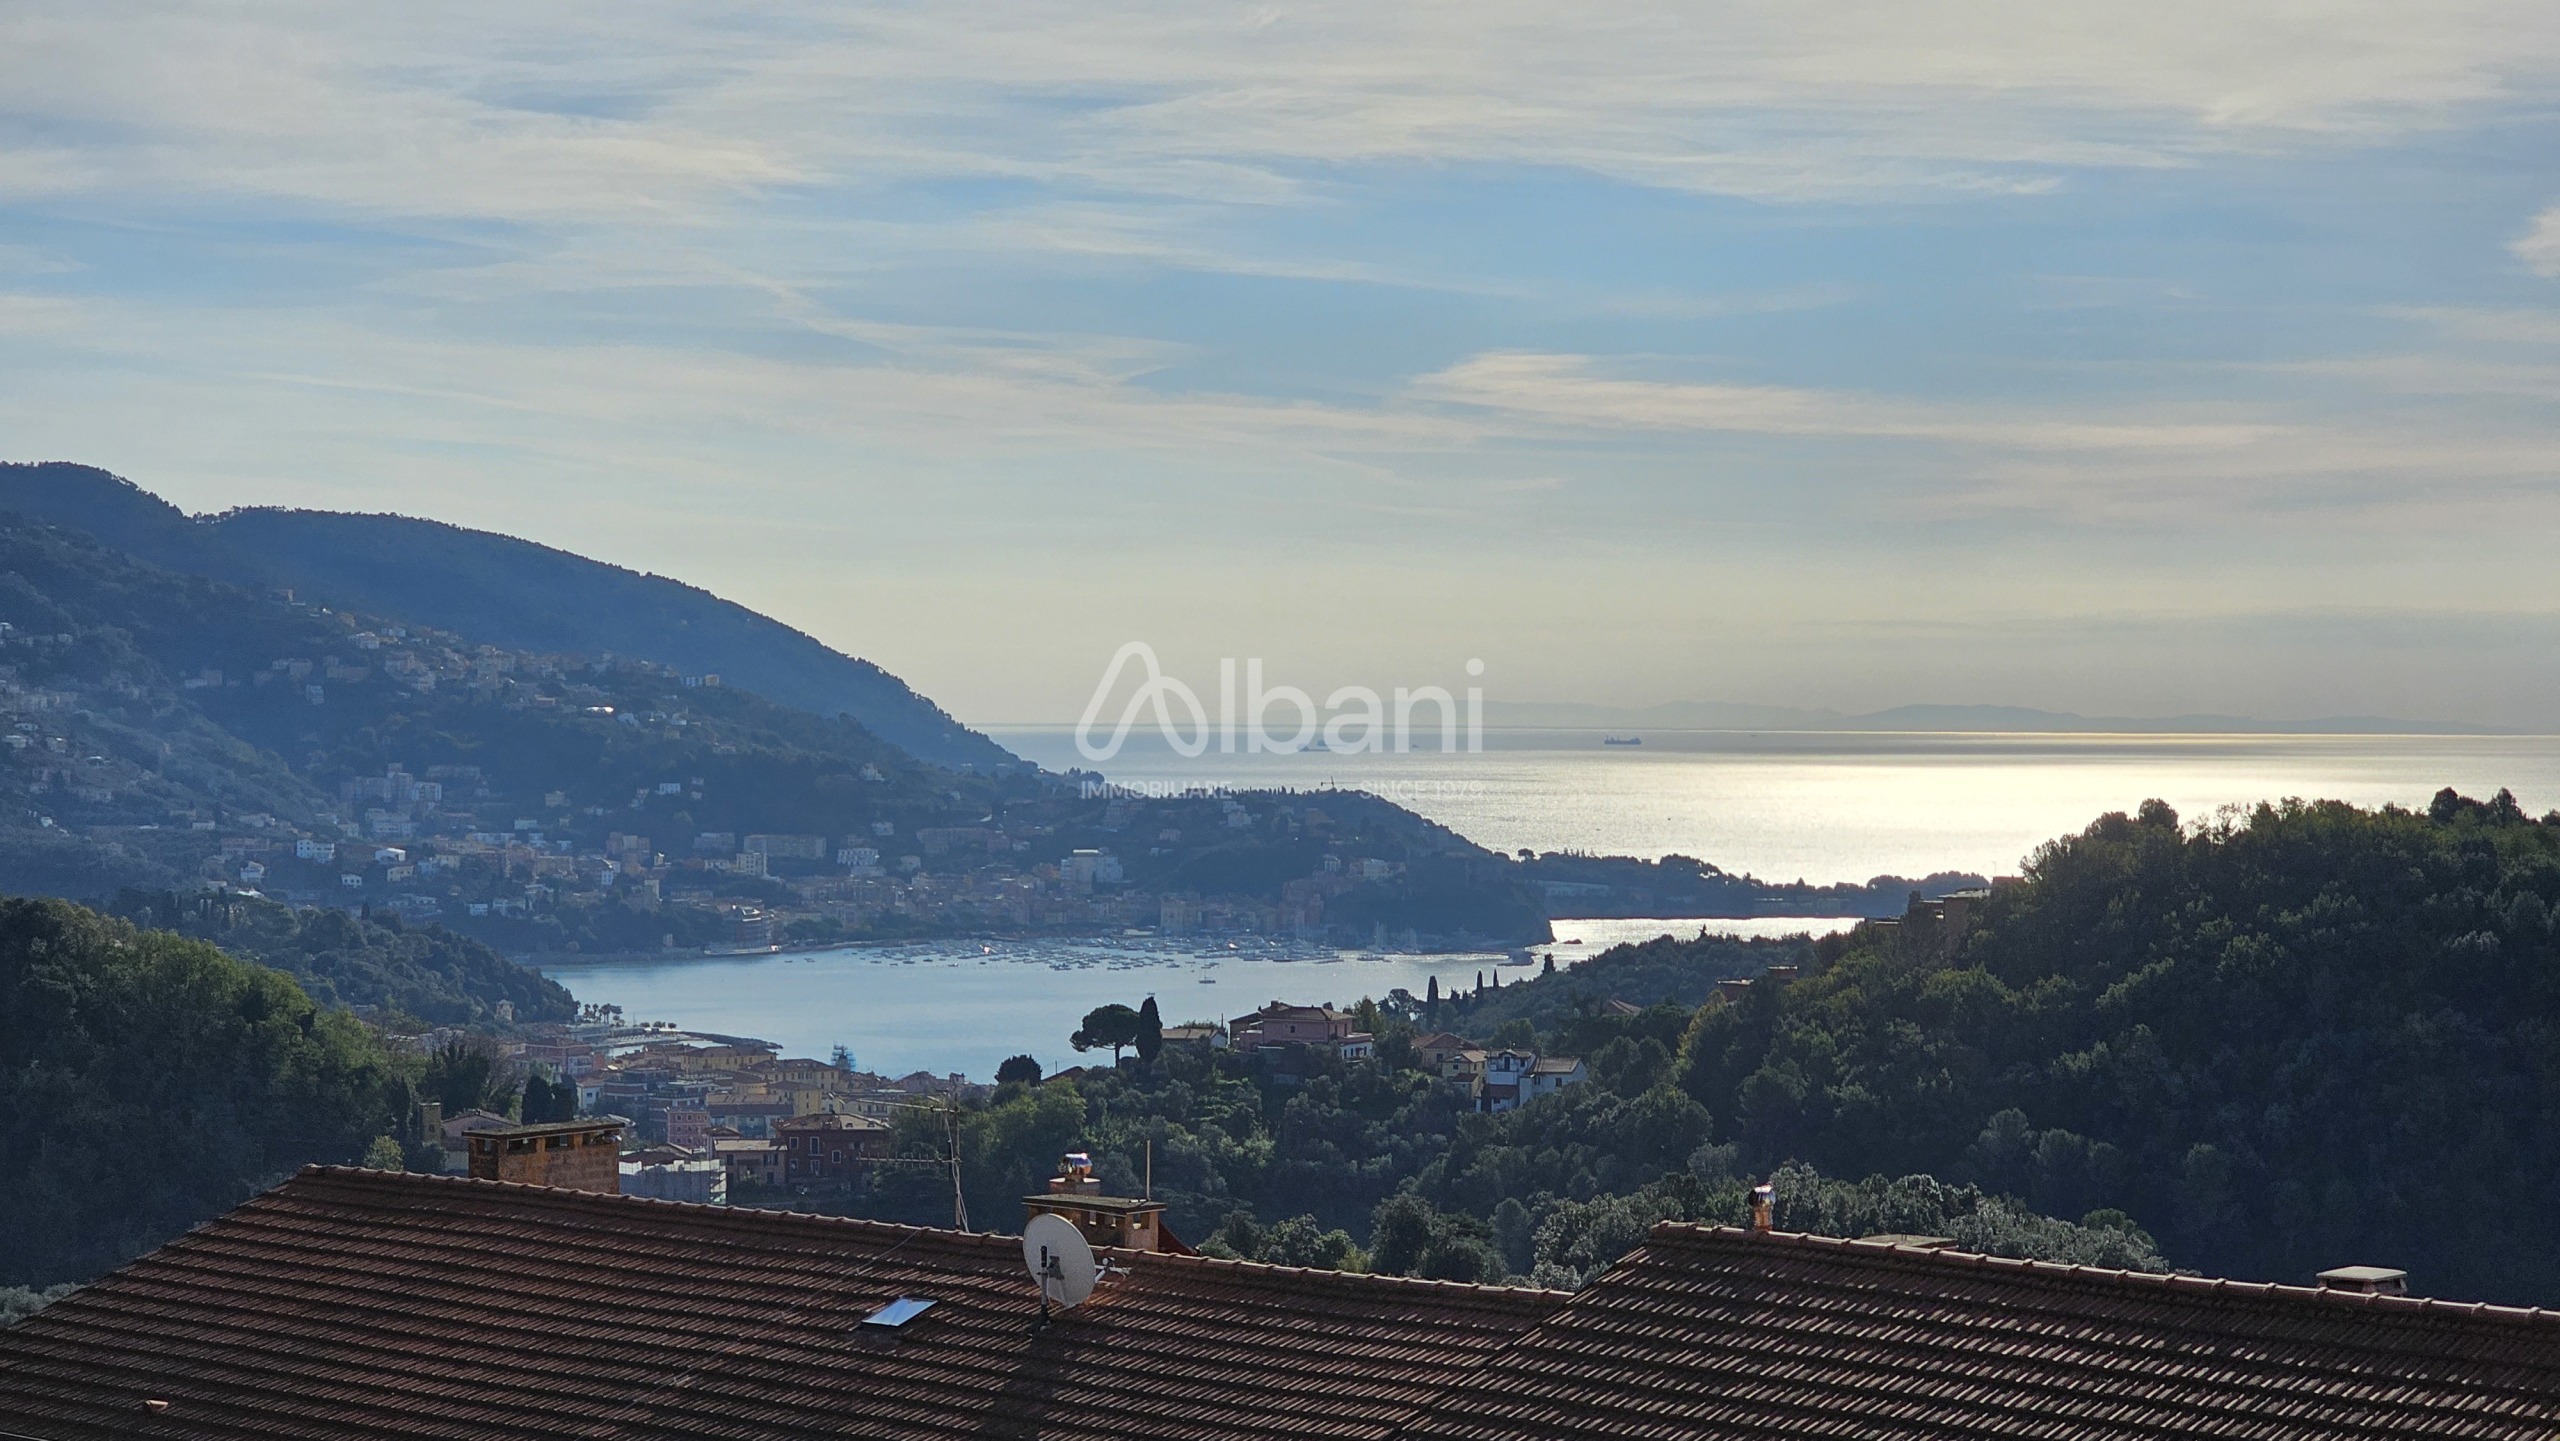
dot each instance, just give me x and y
(396, 974)
(148, 1082)
(496, 590)
(166, 732)
(2311, 1037)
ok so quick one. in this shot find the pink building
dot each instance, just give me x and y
(1277, 1025)
(689, 1126)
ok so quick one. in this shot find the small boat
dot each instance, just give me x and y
(1622, 740)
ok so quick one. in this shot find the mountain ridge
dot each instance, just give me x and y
(511, 592)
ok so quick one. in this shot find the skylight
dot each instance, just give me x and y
(898, 1313)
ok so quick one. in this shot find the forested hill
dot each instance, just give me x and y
(148, 1081)
(497, 590)
(2312, 1037)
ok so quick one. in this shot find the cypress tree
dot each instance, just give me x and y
(1150, 1031)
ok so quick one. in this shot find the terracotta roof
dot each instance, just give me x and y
(370, 1304)
(375, 1304)
(1715, 1332)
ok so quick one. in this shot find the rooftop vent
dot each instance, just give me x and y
(898, 1313)
(2366, 1281)
(1764, 1199)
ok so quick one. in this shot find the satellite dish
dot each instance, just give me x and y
(1059, 1260)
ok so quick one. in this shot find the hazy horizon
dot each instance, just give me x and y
(2185, 361)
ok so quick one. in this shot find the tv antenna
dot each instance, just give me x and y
(1060, 1262)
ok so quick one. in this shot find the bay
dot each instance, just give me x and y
(964, 1005)
(1815, 806)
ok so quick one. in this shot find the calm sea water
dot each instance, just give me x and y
(1829, 807)
(947, 1006)
(1820, 807)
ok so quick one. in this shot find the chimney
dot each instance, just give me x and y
(1075, 1176)
(1764, 1199)
(2366, 1281)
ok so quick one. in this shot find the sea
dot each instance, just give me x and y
(1819, 807)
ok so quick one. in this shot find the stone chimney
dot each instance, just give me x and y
(573, 1155)
(1133, 1224)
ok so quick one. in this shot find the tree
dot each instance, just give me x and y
(148, 1082)
(547, 1100)
(384, 1155)
(1549, 968)
(1114, 1025)
(17, 1303)
(466, 1073)
(1150, 1037)
(1431, 994)
(1018, 1068)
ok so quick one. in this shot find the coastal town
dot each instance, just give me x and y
(636, 808)
(715, 1119)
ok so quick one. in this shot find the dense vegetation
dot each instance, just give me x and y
(1313, 1161)
(1685, 886)
(2308, 1036)
(1661, 971)
(426, 974)
(148, 1081)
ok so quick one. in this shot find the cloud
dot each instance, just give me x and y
(677, 111)
(28, 315)
(2525, 326)
(2539, 248)
(1579, 391)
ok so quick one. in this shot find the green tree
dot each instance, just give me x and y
(467, 1073)
(17, 1303)
(384, 1155)
(1114, 1025)
(1024, 1069)
(148, 1082)
(1149, 1039)
(548, 1100)
(2283, 1039)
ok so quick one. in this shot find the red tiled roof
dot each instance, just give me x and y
(369, 1304)
(374, 1304)
(1715, 1332)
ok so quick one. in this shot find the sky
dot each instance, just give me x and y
(2131, 360)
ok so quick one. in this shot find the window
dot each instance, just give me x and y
(898, 1313)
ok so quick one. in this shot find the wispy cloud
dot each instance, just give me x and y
(1886, 287)
(2539, 247)
(491, 110)
(1580, 391)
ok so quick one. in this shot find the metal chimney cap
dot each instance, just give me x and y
(2366, 1280)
